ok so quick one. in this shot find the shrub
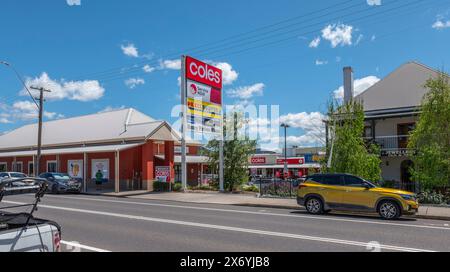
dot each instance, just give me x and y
(177, 187)
(250, 188)
(433, 197)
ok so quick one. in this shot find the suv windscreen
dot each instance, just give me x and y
(315, 178)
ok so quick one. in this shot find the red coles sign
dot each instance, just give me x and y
(258, 160)
(203, 73)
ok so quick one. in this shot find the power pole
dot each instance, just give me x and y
(41, 110)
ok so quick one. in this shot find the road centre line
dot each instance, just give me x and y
(258, 213)
(235, 229)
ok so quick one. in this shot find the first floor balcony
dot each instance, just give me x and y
(391, 146)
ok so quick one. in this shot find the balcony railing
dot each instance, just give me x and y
(396, 145)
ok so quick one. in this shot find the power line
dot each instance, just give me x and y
(177, 54)
(115, 77)
(20, 79)
(136, 69)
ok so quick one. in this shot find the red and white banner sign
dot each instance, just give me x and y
(293, 161)
(203, 73)
(162, 173)
(258, 160)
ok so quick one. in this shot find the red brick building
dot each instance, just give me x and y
(126, 146)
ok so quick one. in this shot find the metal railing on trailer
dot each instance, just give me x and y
(37, 186)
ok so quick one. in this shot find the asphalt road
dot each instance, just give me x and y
(119, 224)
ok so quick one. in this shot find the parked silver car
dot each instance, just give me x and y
(16, 176)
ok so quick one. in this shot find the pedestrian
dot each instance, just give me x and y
(99, 179)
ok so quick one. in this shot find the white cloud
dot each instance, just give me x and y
(4, 120)
(84, 91)
(73, 2)
(338, 34)
(148, 69)
(374, 2)
(229, 75)
(170, 64)
(321, 62)
(304, 120)
(315, 43)
(134, 82)
(26, 110)
(373, 38)
(247, 92)
(360, 86)
(338, 59)
(111, 108)
(440, 24)
(130, 50)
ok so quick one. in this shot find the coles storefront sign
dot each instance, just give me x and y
(292, 161)
(258, 160)
(203, 73)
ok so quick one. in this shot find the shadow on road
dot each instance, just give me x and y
(358, 216)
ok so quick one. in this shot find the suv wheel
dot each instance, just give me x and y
(314, 205)
(389, 210)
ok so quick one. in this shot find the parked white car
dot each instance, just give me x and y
(21, 231)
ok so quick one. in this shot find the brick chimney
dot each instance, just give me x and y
(348, 84)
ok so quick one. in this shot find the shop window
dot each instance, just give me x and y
(3, 167)
(18, 167)
(30, 169)
(52, 167)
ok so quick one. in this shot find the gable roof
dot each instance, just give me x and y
(114, 126)
(403, 88)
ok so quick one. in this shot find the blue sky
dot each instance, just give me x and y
(102, 55)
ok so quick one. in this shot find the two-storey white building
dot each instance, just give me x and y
(392, 109)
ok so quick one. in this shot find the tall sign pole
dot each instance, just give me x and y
(184, 124)
(201, 98)
(221, 158)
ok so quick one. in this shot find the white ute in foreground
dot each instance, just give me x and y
(21, 231)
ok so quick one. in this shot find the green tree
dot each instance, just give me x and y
(349, 153)
(237, 149)
(431, 138)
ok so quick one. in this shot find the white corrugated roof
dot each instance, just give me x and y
(117, 125)
(74, 150)
(403, 88)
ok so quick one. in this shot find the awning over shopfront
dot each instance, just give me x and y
(71, 150)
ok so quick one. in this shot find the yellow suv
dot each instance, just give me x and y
(322, 193)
